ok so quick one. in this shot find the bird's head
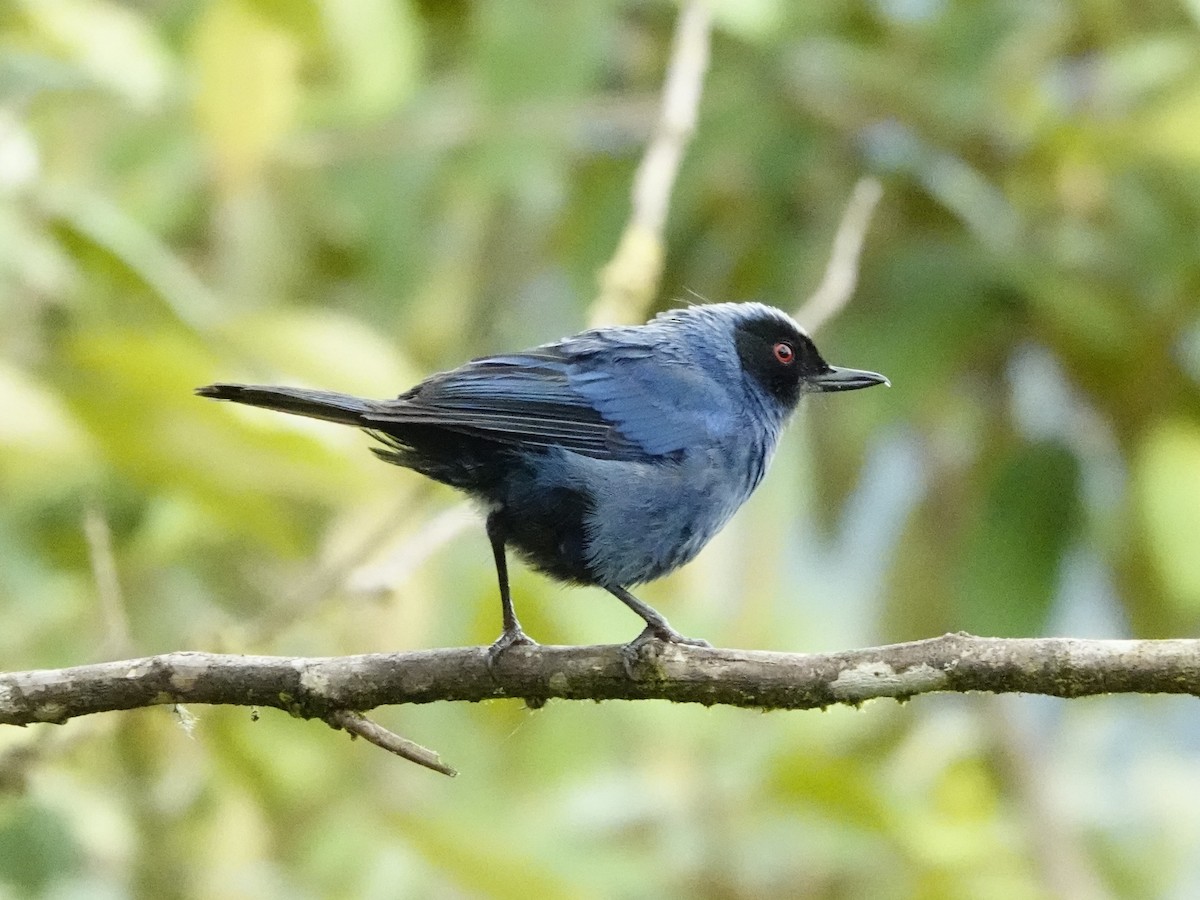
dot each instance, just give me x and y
(776, 354)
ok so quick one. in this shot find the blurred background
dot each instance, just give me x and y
(353, 195)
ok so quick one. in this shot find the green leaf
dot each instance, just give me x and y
(113, 46)
(1167, 485)
(39, 437)
(317, 347)
(843, 788)
(377, 49)
(1011, 558)
(36, 848)
(248, 87)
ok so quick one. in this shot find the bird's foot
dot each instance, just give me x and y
(631, 653)
(512, 637)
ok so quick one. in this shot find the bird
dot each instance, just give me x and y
(607, 458)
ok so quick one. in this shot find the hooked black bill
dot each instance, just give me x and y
(837, 378)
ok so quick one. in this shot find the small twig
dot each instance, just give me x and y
(17, 761)
(1053, 845)
(20, 760)
(841, 272)
(433, 534)
(325, 578)
(359, 725)
(630, 280)
(117, 639)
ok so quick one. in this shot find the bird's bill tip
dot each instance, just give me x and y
(219, 391)
(837, 378)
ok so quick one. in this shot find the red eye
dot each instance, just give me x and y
(784, 353)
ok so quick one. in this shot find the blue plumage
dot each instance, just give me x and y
(607, 458)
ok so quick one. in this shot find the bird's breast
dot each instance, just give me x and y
(648, 518)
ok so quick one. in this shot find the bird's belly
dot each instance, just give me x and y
(615, 523)
(546, 527)
(654, 520)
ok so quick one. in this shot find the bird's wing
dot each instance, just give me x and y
(654, 397)
(524, 399)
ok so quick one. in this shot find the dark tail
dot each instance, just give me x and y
(341, 408)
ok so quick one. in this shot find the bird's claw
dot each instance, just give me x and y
(513, 637)
(631, 653)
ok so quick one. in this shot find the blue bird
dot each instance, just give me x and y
(608, 458)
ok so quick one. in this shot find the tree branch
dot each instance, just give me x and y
(841, 272)
(630, 280)
(322, 687)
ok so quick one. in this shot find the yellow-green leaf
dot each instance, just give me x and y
(1168, 497)
(247, 90)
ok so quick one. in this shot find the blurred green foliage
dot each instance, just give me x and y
(353, 195)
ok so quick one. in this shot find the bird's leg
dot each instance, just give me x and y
(512, 634)
(657, 628)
